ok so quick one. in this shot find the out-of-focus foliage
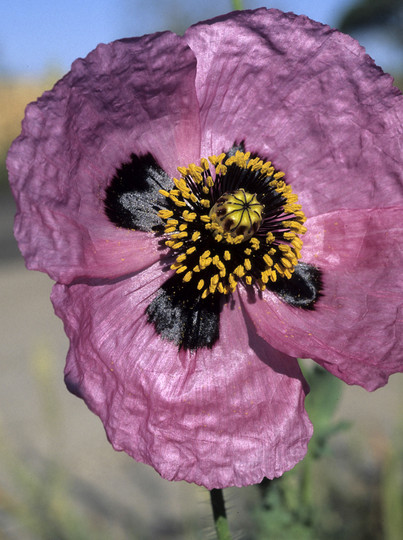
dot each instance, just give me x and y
(328, 495)
(40, 499)
(333, 496)
(392, 494)
(375, 14)
(289, 509)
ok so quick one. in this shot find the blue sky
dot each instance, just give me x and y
(41, 35)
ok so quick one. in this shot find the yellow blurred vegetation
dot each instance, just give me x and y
(15, 94)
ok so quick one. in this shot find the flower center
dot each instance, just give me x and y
(238, 213)
(232, 219)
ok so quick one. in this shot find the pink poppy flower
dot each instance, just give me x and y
(188, 294)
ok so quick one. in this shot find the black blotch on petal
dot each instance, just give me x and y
(181, 316)
(234, 149)
(132, 198)
(303, 288)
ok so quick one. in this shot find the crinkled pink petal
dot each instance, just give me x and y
(224, 416)
(134, 95)
(356, 328)
(308, 98)
(67, 251)
(297, 92)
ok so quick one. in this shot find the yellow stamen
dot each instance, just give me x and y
(268, 260)
(239, 271)
(181, 184)
(265, 276)
(203, 263)
(266, 167)
(180, 235)
(165, 214)
(217, 262)
(270, 238)
(221, 169)
(209, 182)
(297, 243)
(278, 175)
(204, 163)
(177, 201)
(279, 269)
(255, 243)
(285, 262)
(189, 216)
(194, 169)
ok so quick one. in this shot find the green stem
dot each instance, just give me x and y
(237, 4)
(220, 515)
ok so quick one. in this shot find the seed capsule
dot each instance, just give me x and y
(238, 213)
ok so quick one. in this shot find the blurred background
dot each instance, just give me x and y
(59, 477)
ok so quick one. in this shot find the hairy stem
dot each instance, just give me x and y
(219, 514)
